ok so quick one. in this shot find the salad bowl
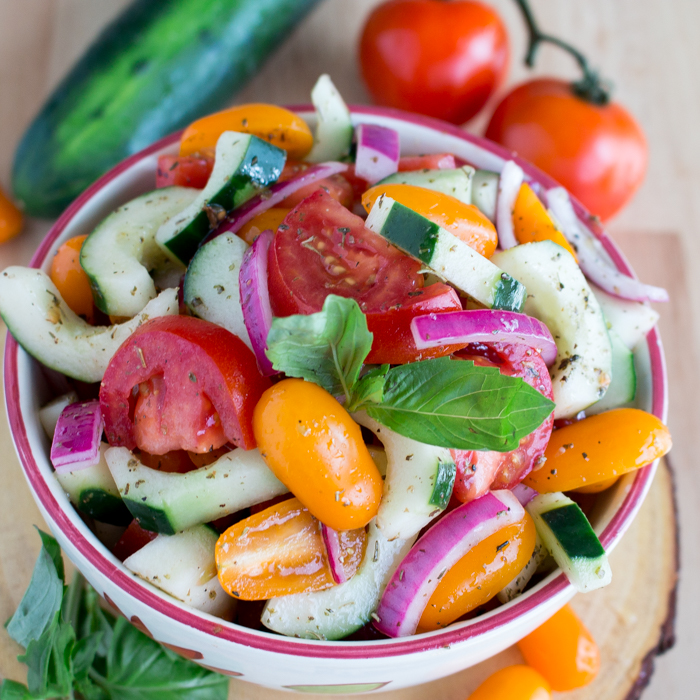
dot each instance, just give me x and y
(261, 657)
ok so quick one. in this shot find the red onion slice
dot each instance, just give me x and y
(76, 441)
(332, 541)
(442, 546)
(508, 187)
(592, 257)
(523, 493)
(377, 152)
(255, 298)
(483, 326)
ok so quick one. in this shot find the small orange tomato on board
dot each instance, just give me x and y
(563, 651)
(71, 280)
(513, 683)
(11, 218)
(315, 448)
(480, 574)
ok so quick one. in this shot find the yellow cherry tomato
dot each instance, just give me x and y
(480, 574)
(513, 683)
(11, 218)
(269, 219)
(462, 220)
(276, 125)
(532, 222)
(315, 448)
(600, 448)
(563, 651)
(71, 280)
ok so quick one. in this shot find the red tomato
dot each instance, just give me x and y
(477, 471)
(322, 248)
(197, 386)
(433, 161)
(335, 185)
(177, 462)
(183, 171)
(132, 539)
(598, 152)
(443, 59)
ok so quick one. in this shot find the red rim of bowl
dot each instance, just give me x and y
(284, 645)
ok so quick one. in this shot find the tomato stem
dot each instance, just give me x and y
(591, 87)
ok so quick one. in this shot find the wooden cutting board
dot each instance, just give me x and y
(632, 619)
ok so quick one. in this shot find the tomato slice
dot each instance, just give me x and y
(201, 386)
(177, 462)
(477, 472)
(132, 539)
(183, 171)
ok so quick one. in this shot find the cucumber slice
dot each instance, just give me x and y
(485, 193)
(334, 130)
(243, 164)
(623, 386)
(339, 611)
(92, 491)
(168, 502)
(457, 182)
(43, 324)
(418, 484)
(119, 254)
(49, 414)
(211, 284)
(446, 254)
(570, 539)
(184, 566)
(559, 296)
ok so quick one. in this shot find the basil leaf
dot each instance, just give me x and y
(453, 403)
(12, 690)
(327, 347)
(370, 388)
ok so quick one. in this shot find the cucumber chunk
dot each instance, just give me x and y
(334, 130)
(457, 182)
(119, 254)
(243, 165)
(43, 324)
(211, 288)
(559, 296)
(623, 386)
(339, 611)
(485, 193)
(570, 539)
(184, 566)
(446, 254)
(167, 502)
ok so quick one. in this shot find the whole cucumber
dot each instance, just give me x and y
(157, 67)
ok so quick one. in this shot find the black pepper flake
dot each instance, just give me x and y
(502, 546)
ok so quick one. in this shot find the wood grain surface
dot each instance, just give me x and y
(649, 48)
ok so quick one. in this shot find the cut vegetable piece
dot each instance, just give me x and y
(419, 573)
(519, 583)
(211, 288)
(444, 253)
(343, 609)
(427, 161)
(623, 385)
(76, 440)
(484, 326)
(47, 329)
(508, 187)
(121, 252)
(559, 296)
(485, 193)
(48, 414)
(243, 165)
(334, 131)
(168, 502)
(378, 151)
(418, 484)
(331, 540)
(456, 182)
(183, 565)
(92, 491)
(570, 539)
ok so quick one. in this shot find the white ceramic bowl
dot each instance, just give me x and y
(265, 658)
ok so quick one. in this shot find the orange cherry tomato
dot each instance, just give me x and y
(513, 683)
(277, 125)
(71, 280)
(531, 221)
(563, 651)
(11, 218)
(315, 448)
(443, 59)
(480, 574)
(269, 219)
(598, 152)
(280, 551)
(599, 448)
(464, 221)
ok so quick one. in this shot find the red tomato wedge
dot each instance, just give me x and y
(477, 472)
(434, 161)
(191, 384)
(183, 171)
(132, 539)
(321, 248)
